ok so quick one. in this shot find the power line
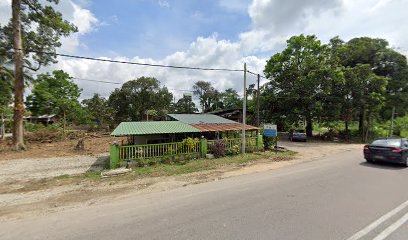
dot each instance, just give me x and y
(93, 80)
(137, 63)
(256, 74)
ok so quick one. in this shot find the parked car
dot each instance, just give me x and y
(298, 135)
(393, 150)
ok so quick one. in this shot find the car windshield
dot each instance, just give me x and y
(299, 131)
(388, 142)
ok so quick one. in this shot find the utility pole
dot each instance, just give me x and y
(244, 112)
(257, 103)
(392, 122)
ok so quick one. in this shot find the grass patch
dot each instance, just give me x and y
(205, 164)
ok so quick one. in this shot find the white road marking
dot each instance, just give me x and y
(392, 228)
(376, 223)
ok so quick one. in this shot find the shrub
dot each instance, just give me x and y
(269, 142)
(234, 150)
(218, 149)
(190, 143)
(33, 127)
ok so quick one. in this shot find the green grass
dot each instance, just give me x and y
(204, 164)
(179, 168)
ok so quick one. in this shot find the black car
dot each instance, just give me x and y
(393, 150)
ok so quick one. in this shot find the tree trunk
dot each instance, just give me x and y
(3, 128)
(346, 126)
(346, 130)
(362, 126)
(367, 128)
(18, 126)
(309, 126)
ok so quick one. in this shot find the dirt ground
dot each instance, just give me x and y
(32, 186)
(93, 146)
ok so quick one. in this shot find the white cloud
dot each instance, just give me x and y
(204, 52)
(273, 22)
(5, 11)
(84, 19)
(163, 3)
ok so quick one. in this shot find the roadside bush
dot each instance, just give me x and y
(33, 127)
(269, 142)
(190, 143)
(218, 148)
(234, 150)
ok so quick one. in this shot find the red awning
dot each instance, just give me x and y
(222, 127)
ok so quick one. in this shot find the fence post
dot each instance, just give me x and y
(114, 155)
(259, 142)
(203, 147)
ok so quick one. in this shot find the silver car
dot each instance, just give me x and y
(298, 135)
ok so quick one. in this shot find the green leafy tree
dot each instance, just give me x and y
(34, 33)
(132, 101)
(230, 99)
(6, 90)
(99, 109)
(385, 62)
(57, 94)
(185, 105)
(367, 94)
(209, 97)
(302, 76)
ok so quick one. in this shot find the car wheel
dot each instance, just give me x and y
(369, 160)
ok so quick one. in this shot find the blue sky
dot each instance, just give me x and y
(207, 33)
(155, 29)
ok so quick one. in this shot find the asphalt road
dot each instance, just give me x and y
(339, 197)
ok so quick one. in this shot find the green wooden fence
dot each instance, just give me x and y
(251, 143)
(156, 150)
(119, 153)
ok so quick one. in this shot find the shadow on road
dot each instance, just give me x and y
(383, 165)
(101, 163)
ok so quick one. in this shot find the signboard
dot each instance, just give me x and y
(270, 130)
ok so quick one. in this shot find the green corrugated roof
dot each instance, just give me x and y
(159, 127)
(200, 118)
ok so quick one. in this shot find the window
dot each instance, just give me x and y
(388, 142)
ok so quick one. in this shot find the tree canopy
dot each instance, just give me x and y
(302, 76)
(135, 97)
(57, 94)
(185, 105)
(99, 109)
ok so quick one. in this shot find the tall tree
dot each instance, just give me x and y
(302, 75)
(231, 99)
(185, 105)
(56, 94)
(385, 62)
(132, 101)
(6, 90)
(209, 97)
(367, 94)
(99, 109)
(34, 29)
